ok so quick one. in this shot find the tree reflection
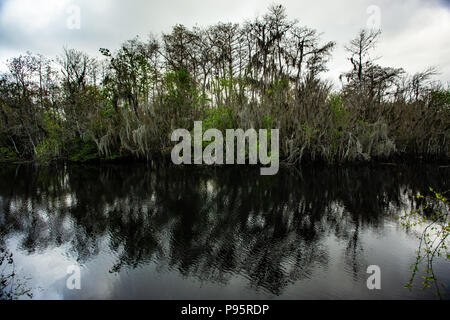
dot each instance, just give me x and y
(205, 223)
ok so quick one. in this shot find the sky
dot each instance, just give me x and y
(415, 33)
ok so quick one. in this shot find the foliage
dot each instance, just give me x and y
(263, 74)
(440, 99)
(220, 118)
(81, 151)
(50, 148)
(11, 288)
(432, 218)
(7, 155)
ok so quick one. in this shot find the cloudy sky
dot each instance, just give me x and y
(416, 33)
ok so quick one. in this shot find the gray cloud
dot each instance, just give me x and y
(415, 32)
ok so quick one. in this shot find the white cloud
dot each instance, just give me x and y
(422, 42)
(32, 16)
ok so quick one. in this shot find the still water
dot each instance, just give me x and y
(143, 232)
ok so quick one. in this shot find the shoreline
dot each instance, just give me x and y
(397, 160)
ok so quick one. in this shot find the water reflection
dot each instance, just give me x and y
(220, 228)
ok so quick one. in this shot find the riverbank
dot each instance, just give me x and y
(150, 89)
(391, 161)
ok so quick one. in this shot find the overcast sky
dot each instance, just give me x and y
(416, 33)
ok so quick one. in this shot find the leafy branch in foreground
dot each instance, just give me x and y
(10, 287)
(432, 216)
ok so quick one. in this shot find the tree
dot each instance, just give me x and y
(359, 49)
(134, 69)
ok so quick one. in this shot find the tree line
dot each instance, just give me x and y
(264, 73)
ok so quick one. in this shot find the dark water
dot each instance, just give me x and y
(139, 232)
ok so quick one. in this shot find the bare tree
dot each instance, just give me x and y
(359, 49)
